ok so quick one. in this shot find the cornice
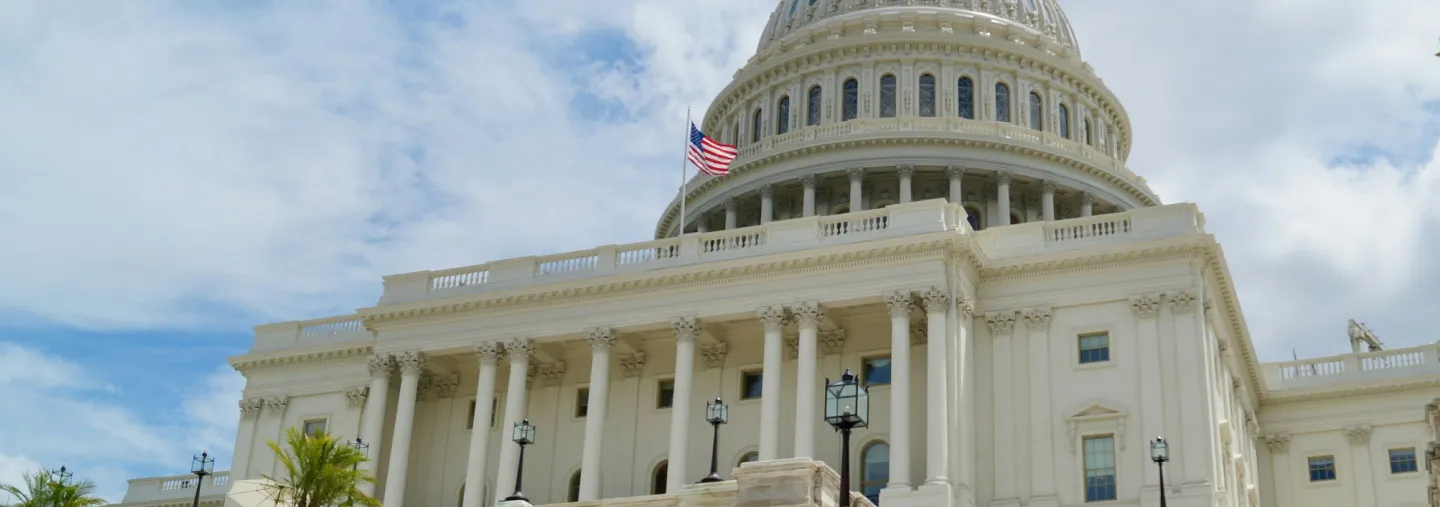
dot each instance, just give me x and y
(324, 354)
(1344, 391)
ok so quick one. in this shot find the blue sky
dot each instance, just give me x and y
(178, 172)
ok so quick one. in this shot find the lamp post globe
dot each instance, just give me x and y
(716, 413)
(847, 406)
(523, 435)
(1160, 453)
(201, 466)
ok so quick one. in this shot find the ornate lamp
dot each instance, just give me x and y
(361, 446)
(1160, 453)
(63, 474)
(716, 413)
(524, 435)
(201, 466)
(847, 406)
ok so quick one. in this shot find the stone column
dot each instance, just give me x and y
(1280, 464)
(937, 394)
(808, 316)
(701, 224)
(1087, 206)
(686, 330)
(602, 339)
(1152, 413)
(1360, 454)
(518, 350)
(899, 304)
(907, 173)
(857, 186)
(1002, 324)
(1042, 446)
(412, 364)
(965, 458)
(957, 194)
(774, 319)
(730, 207)
(1189, 328)
(767, 205)
(1047, 200)
(381, 366)
(489, 356)
(808, 201)
(1002, 196)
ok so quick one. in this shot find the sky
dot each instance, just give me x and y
(173, 173)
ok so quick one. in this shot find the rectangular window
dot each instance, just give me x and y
(470, 420)
(876, 371)
(1322, 468)
(1094, 348)
(1402, 461)
(314, 427)
(1099, 468)
(664, 394)
(751, 385)
(582, 401)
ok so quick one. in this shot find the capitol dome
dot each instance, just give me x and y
(854, 105)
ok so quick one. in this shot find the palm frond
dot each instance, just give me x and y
(320, 471)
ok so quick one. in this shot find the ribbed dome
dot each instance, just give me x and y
(1041, 16)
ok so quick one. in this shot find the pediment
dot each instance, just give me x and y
(1095, 411)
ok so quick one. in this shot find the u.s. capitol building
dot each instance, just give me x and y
(931, 193)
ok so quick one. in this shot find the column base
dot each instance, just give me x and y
(1043, 501)
(927, 495)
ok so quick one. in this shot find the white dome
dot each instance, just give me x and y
(1043, 17)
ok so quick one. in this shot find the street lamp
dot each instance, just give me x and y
(361, 446)
(716, 413)
(63, 474)
(1160, 453)
(524, 435)
(847, 406)
(201, 466)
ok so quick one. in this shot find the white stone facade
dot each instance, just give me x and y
(1042, 314)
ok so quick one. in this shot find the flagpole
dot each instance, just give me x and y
(684, 171)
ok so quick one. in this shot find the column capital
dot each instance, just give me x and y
(714, 354)
(856, 173)
(906, 170)
(898, 302)
(277, 404)
(381, 365)
(1278, 443)
(1037, 318)
(1145, 306)
(808, 314)
(773, 316)
(1001, 322)
(936, 300)
(1182, 302)
(966, 305)
(412, 362)
(551, 374)
(767, 190)
(730, 204)
(1358, 434)
(1047, 186)
(686, 328)
(1002, 177)
(519, 349)
(1087, 198)
(632, 364)
(489, 353)
(355, 396)
(601, 339)
(250, 407)
(832, 342)
(955, 171)
(808, 181)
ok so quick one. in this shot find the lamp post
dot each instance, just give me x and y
(847, 406)
(716, 413)
(524, 435)
(361, 446)
(63, 474)
(1160, 453)
(201, 466)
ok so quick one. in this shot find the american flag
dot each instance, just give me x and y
(712, 157)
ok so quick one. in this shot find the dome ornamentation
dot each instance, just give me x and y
(1044, 17)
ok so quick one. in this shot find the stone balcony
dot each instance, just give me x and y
(1352, 369)
(175, 489)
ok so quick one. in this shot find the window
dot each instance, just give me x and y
(574, 494)
(664, 393)
(314, 427)
(1099, 468)
(735, 135)
(751, 383)
(1037, 112)
(1094, 348)
(1322, 468)
(782, 116)
(972, 215)
(1086, 133)
(812, 111)
(494, 408)
(927, 95)
(876, 371)
(887, 96)
(658, 477)
(874, 469)
(1403, 461)
(748, 457)
(582, 402)
(1064, 121)
(850, 107)
(1002, 102)
(756, 126)
(965, 95)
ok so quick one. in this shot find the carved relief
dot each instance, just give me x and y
(713, 355)
(632, 364)
(355, 396)
(446, 386)
(1001, 323)
(1146, 306)
(250, 407)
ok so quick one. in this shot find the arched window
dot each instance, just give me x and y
(1037, 112)
(735, 135)
(812, 112)
(887, 96)
(1064, 121)
(782, 116)
(850, 108)
(756, 126)
(748, 457)
(965, 97)
(874, 469)
(1088, 138)
(973, 216)
(574, 494)
(927, 95)
(659, 477)
(1002, 102)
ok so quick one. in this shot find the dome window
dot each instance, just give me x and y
(927, 95)
(1037, 112)
(965, 93)
(1064, 121)
(812, 111)
(887, 96)
(756, 126)
(1086, 133)
(851, 107)
(1002, 102)
(782, 116)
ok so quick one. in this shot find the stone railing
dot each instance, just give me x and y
(175, 487)
(1035, 238)
(285, 335)
(1378, 365)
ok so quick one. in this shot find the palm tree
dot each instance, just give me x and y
(320, 471)
(45, 490)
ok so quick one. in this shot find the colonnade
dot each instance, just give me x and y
(807, 317)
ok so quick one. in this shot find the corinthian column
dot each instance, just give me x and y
(774, 319)
(937, 394)
(767, 207)
(1002, 196)
(899, 303)
(857, 182)
(591, 467)
(381, 366)
(808, 316)
(907, 173)
(956, 173)
(489, 356)
(808, 198)
(411, 365)
(1047, 200)
(1147, 351)
(518, 350)
(686, 330)
(1042, 452)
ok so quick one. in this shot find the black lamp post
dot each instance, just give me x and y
(847, 406)
(201, 466)
(1160, 453)
(716, 413)
(63, 474)
(361, 446)
(524, 435)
